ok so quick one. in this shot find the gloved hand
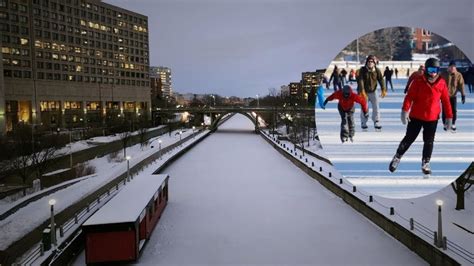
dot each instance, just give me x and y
(449, 123)
(463, 99)
(324, 104)
(404, 117)
(366, 115)
(384, 93)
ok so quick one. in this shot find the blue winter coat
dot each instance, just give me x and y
(320, 97)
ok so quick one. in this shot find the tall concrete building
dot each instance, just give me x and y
(162, 76)
(71, 63)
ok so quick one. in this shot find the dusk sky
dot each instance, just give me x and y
(244, 47)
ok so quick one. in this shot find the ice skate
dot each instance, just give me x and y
(394, 163)
(343, 139)
(365, 128)
(425, 167)
(351, 139)
(453, 129)
(377, 126)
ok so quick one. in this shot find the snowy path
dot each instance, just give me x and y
(365, 162)
(235, 200)
(25, 219)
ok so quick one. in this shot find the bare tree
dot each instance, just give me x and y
(125, 137)
(142, 132)
(47, 147)
(462, 184)
(20, 150)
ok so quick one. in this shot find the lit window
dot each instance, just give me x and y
(23, 41)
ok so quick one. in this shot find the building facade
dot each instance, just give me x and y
(422, 40)
(163, 74)
(72, 63)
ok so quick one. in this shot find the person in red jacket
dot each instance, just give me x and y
(421, 109)
(346, 108)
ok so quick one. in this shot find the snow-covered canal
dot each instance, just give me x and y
(236, 200)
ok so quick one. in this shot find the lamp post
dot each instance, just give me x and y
(193, 131)
(180, 133)
(128, 167)
(70, 149)
(258, 101)
(53, 226)
(439, 242)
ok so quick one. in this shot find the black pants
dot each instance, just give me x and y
(347, 122)
(413, 129)
(453, 101)
(387, 81)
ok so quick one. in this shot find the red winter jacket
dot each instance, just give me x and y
(348, 103)
(424, 99)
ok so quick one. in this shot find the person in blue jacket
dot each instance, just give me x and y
(319, 100)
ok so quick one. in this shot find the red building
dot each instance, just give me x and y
(118, 231)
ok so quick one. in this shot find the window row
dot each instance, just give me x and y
(16, 73)
(16, 62)
(126, 61)
(4, 15)
(7, 27)
(89, 9)
(69, 77)
(82, 69)
(15, 51)
(13, 6)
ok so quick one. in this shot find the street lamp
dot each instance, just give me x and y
(193, 131)
(439, 241)
(180, 133)
(70, 149)
(258, 101)
(51, 203)
(128, 167)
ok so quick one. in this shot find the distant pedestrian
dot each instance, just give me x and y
(367, 79)
(419, 72)
(396, 73)
(352, 75)
(408, 72)
(336, 79)
(455, 83)
(470, 78)
(421, 109)
(346, 109)
(388, 77)
(344, 76)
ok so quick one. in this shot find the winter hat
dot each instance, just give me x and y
(346, 91)
(371, 57)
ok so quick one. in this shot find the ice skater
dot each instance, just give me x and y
(421, 109)
(455, 83)
(346, 108)
(367, 79)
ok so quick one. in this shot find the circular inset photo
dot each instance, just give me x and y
(398, 117)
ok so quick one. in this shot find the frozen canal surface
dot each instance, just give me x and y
(236, 200)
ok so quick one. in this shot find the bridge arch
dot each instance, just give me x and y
(215, 123)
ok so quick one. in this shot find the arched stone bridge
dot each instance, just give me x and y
(216, 113)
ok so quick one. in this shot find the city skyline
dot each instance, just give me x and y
(242, 48)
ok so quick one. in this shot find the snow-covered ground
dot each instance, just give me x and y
(235, 200)
(21, 222)
(365, 161)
